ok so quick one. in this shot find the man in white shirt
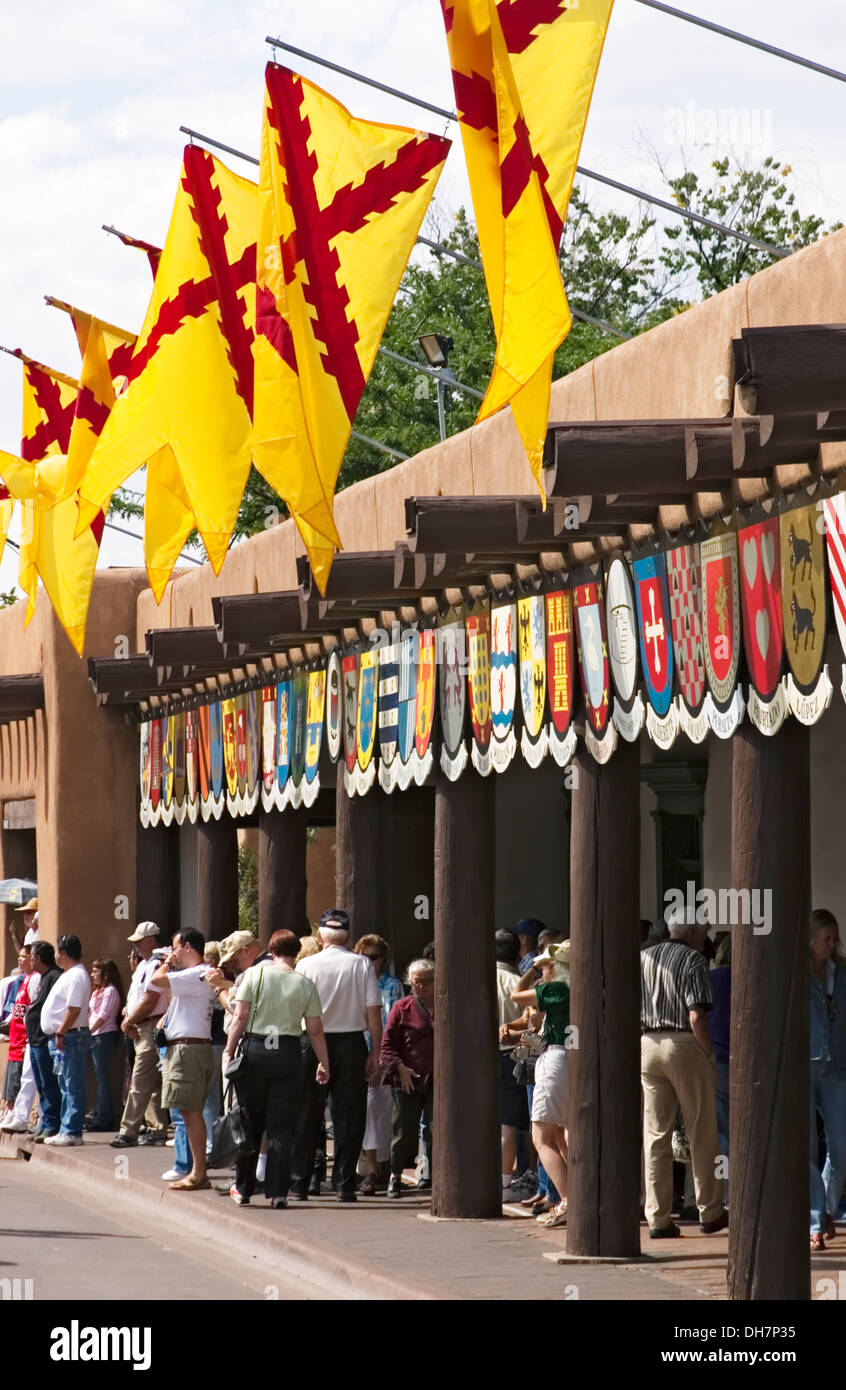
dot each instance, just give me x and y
(145, 1006)
(30, 922)
(189, 1063)
(64, 1018)
(352, 1004)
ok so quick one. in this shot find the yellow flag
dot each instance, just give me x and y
(523, 73)
(48, 545)
(190, 380)
(340, 204)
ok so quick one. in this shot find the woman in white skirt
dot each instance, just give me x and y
(552, 1079)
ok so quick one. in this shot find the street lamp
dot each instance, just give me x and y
(435, 348)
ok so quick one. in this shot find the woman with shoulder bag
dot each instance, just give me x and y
(270, 1002)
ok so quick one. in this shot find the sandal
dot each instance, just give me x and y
(190, 1184)
(556, 1217)
(532, 1201)
(817, 1243)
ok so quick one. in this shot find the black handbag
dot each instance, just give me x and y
(238, 1065)
(230, 1137)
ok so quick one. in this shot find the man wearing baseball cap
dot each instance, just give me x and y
(145, 1005)
(349, 995)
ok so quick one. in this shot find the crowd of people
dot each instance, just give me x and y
(308, 1038)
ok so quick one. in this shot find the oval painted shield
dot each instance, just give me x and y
(168, 759)
(685, 589)
(216, 744)
(349, 671)
(297, 726)
(314, 722)
(531, 636)
(179, 758)
(656, 647)
(478, 627)
(241, 742)
(230, 760)
(333, 705)
(760, 604)
(192, 780)
(621, 626)
(388, 703)
(365, 733)
(145, 763)
(155, 762)
(253, 759)
(503, 663)
(204, 752)
(409, 650)
(803, 594)
(559, 657)
(452, 686)
(268, 737)
(425, 710)
(593, 654)
(283, 742)
(720, 615)
(835, 535)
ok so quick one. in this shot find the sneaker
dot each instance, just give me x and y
(14, 1127)
(525, 1184)
(124, 1141)
(173, 1175)
(279, 1203)
(238, 1198)
(367, 1186)
(395, 1185)
(151, 1138)
(64, 1141)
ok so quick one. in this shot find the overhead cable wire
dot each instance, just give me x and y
(745, 38)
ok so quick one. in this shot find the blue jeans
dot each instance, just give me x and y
(103, 1049)
(723, 1106)
(828, 1095)
(49, 1092)
(72, 1078)
(546, 1187)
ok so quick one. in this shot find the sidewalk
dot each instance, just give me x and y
(382, 1249)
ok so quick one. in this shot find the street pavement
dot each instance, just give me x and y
(72, 1246)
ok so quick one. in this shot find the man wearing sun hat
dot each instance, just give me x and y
(30, 921)
(145, 1005)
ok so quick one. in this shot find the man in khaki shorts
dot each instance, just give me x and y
(189, 1060)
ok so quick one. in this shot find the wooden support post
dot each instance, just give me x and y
(466, 1136)
(768, 1129)
(282, 841)
(157, 878)
(363, 860)
(217, 878)
(604, 1132)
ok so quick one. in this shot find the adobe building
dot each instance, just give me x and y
(453, 859)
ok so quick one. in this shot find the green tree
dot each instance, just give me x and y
(247, 890)
(758, 201)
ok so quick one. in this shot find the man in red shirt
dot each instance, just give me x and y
(17, 1030)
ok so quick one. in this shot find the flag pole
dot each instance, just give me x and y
(580, 169)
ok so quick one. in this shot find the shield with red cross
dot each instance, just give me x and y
(653, 616)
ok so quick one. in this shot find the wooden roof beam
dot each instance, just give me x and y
(21, 693)
(791, 369)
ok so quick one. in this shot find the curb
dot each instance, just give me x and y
(322, 1266)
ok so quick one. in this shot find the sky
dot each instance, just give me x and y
(92, 96)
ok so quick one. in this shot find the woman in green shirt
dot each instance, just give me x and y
(271, 1002)
(552, 1080)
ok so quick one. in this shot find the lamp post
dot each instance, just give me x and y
(435, 349)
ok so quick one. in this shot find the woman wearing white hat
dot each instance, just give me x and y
(552, 1081)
